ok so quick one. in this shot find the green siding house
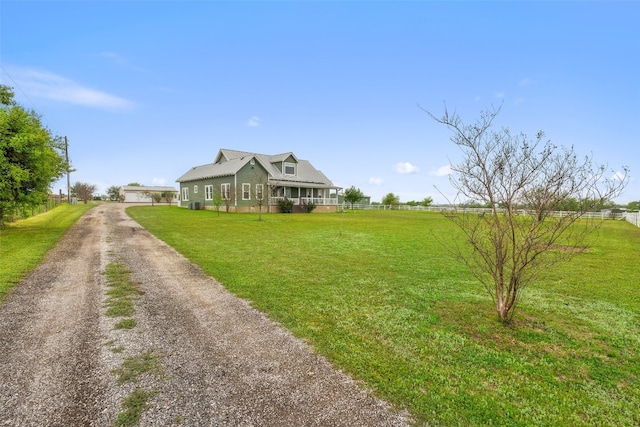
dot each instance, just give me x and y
(238, 181)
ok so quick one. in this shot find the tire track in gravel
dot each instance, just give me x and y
(223, 363)
(49, 327)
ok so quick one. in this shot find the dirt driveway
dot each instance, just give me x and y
(212, 359)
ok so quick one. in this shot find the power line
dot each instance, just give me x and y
(16, 85)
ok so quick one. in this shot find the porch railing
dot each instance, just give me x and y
(306, 200)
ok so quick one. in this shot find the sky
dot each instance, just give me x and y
(145, 90)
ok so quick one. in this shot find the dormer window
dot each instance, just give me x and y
(289, 168)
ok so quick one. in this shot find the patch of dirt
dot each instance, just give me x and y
(222, 362)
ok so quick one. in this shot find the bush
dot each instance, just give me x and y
(285, 205)
(309, 207)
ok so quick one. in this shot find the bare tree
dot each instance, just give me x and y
(524, 182)
(167, 196)
(217, 200)
(260, 184)
(228, 195)
(83, 191)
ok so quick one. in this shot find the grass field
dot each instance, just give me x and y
(24, 243)
(379, 295)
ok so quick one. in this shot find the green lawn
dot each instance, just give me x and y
(24, 243)
(377, 293)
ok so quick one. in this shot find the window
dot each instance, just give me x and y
(195, 189)
(185, 193)
(259, 191)
(208, 192)
(225, 191)
(246, 191)
(289, 168)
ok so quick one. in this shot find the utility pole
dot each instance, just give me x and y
(66, 154)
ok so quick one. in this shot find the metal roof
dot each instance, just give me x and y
(146, 188)
(229, 162)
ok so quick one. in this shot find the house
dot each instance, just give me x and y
(142, 194)
(238, 181)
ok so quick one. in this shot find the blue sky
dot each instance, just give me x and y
(145, 90)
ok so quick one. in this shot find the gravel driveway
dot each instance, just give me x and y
(215, 361)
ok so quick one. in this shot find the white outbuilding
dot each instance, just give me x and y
(144, 194)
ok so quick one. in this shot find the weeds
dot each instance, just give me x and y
(135, 366)
(121, 293)
(133, 406)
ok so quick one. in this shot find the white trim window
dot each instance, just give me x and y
(185, 193)
(259, 192)
(195, 189)
(289, 169)
(225, 191)
(208, 192)
(246, 191)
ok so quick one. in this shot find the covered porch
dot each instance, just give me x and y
(303, 193)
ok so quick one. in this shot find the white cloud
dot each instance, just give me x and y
(254, 121)
(118, 60)
(500, 95)
(159, 181)
(405, 167)
(112, 56)
(441, 171)
(43, 84)
(375, 181)
(526, 82)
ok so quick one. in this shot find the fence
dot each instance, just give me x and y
(631, 217)
(26, 212)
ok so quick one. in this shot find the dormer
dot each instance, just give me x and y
(286, 163)
(289, 168)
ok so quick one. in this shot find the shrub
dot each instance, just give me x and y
(309, 207)
(285, 205)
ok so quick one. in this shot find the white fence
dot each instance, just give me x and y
(632, 217)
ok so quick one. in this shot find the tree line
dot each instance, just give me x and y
(31, 157)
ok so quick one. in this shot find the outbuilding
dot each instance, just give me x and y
(144, 194)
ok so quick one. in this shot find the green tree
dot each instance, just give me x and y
(155, 198)
(569, 204)
(633, 206)
(426, 202)
(511, 247)
(30, 157)
(114, 193)
(391, 200)
(353, 195)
